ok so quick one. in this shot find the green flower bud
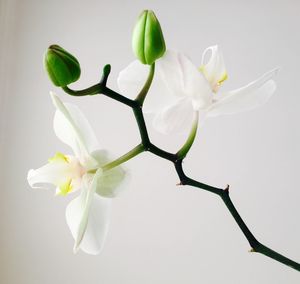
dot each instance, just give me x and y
(62, 67)
(147, 40)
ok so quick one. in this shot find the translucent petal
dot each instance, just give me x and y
(111, 182)
(214, 70)
(72, 128)
(97, 223)
(132, 79)
(183, 79)
(246, 98)
(88, 218)
(176, 118)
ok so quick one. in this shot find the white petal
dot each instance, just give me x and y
(51, 173)
(111, 182)
(183, 79)
(214, 70)
(88, 218)
(97, 226)
(248, 97)
(176, 118)
(72, 128)
(132, 79)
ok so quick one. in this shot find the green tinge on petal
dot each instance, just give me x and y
(72, 128)
(214, 69)
(219, 81)
(223, 78)
(86, 198)
(109, 184)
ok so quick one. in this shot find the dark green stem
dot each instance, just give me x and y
(224, 194)
(94, 90)
(101, 88)
(139, 117)
(177, 159)
(162, 153)
(260, 248)
(115, 96)
(226, 199)
(185, 180)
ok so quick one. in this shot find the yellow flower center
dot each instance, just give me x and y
(215, 84)
(71, 171)
(58, 157)
(65, 188)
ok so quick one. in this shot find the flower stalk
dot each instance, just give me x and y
(143, 93)
(124, 158)
(191, 138)
(177, 159)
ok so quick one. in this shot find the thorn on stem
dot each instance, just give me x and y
(227, 189)
(252, 250)
(180, 183)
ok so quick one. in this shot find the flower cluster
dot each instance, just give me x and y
(181, 96)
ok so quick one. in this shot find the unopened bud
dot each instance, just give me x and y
(62, 67)
(147, 40)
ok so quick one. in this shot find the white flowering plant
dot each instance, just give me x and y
(181, 97)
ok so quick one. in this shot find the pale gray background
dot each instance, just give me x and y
(159, 233)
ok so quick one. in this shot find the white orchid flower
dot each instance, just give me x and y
(183, 93)
(88, 214)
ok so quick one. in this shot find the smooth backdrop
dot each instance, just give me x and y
(160, 233)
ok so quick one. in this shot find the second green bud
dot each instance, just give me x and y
(147, 40)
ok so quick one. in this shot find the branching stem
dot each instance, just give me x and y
(176, 159)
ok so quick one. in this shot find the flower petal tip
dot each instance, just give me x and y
(75, 249)
(52, 95)
(273, 72)
(55, 99)
(276, 70)
(30, 174)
